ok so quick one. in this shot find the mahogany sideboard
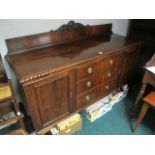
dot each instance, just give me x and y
(64, 71)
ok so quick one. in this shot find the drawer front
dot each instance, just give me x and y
(106, 87)
(86, 71)
(108, 65)
(107, 76)
(87, 99)
(86, 85)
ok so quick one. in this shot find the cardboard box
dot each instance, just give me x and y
(97, 113)
(72, 129)
(104, 105)
(70, 125)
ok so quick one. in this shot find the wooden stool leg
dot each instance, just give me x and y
(141, 116)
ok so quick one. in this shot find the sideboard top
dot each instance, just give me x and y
(32, 63)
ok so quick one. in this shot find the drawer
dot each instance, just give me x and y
(108, 65)
(106, 87)
(107, 75)
(86, 85)
(86, 71)
(86, 99)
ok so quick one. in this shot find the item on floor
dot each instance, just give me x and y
(18, 132)
(98, 109)
(105, 105)
(68, 126)
(149, 101)
(118, 95)
(54, 131)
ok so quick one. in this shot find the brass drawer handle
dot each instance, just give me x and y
(89, 84)
(111, 62)
(109, 75)
(90, 70)
(87, 98)
(107, 87)
(100, 52)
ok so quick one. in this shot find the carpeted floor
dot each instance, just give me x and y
(116, 122)
(119, 122)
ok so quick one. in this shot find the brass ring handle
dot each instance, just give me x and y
(90, 70)
(109, 74)
(87, 98)
(111, 62)
(89, 84)
(100, 52)
(107, 87)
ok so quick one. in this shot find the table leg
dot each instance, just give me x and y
(139, 97)
(141, 116)
(141, 93)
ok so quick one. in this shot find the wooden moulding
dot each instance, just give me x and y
(66, 33)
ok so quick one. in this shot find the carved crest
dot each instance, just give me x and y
(71, 25)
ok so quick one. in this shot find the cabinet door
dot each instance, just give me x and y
(128, 65)
(49, 100)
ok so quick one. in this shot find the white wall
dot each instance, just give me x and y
(10, 28)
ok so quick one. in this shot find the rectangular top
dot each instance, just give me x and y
(38, 62)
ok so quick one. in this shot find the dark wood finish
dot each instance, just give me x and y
(108, 65)
(86, 84)
(64, 34)
(149, 101)
(129, 61)
(106, 87)
(73, 90)
(64, 75)
(51, 98)
(87, 99)
(86, 71)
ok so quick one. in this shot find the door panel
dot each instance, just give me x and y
(128, 65)
(52, 98)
